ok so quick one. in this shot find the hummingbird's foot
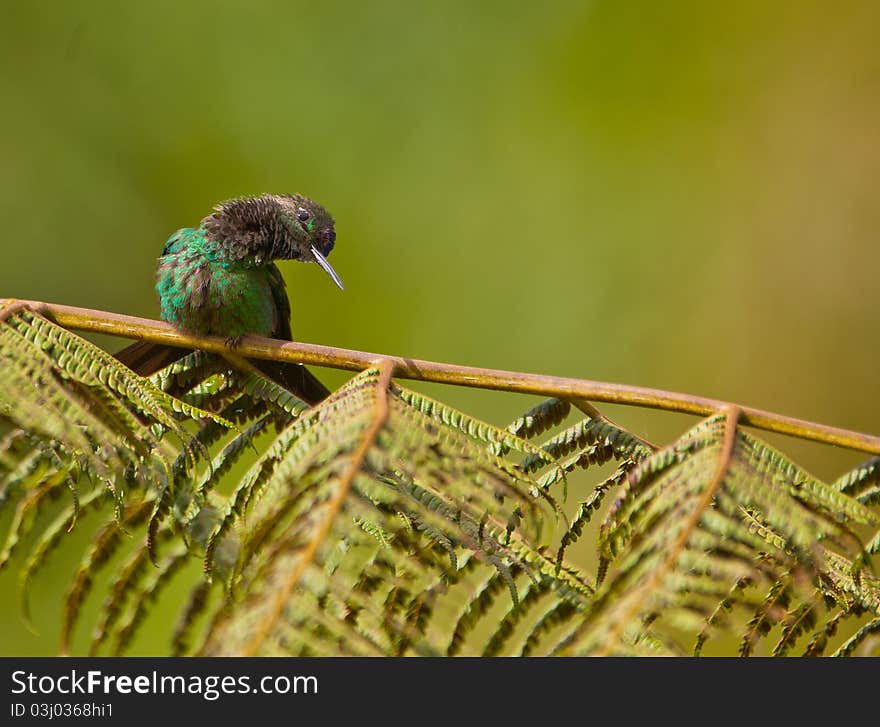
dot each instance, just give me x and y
(233, 341)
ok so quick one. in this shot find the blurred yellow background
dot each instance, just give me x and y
(680, 195)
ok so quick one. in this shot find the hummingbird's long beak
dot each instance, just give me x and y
(322, 261)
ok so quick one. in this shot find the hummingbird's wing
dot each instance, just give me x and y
(282, 304)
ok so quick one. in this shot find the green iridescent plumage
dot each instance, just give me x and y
(220, 278)
(199, 293)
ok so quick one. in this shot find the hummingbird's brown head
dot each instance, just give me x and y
(274, 227)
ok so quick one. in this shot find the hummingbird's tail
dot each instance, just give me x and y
(295, 378)
(145, 359)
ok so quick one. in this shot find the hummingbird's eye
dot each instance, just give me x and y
(302, 215)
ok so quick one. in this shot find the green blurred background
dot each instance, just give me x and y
(680, 195)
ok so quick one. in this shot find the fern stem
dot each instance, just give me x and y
(95, 321)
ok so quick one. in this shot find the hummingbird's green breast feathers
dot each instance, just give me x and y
(201, 293)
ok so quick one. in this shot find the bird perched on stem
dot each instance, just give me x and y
(220, 279)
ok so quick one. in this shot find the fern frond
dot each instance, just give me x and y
(418, 471)
(546, 415)
(103, 547)
(852, 643)
(679, 540)
(75, 412)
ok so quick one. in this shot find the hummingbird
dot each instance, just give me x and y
(220, 279)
